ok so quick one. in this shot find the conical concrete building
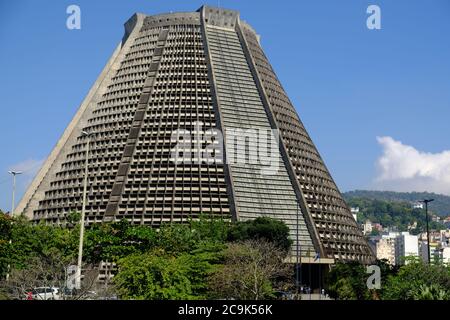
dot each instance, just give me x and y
(189, 118)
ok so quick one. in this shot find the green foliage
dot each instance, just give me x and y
(417, 279)
(347, 281)
(152, 276)
(176, 264)
(161, 275)
(5, 226)
(176, 238)
(73, 218)
(431, 292)
(112, 241)
(268, 229)
(21, 242)
(210, 228)
(173, 262)
(413, 281)
(5, 247)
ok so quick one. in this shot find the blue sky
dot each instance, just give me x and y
(349, 84)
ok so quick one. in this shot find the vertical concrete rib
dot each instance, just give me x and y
(256, 194)
(138, 120)
(219, 124)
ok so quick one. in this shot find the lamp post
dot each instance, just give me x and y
(298, 265)
(426, 201)
(297, 255)
(83, 211)
(14, 173)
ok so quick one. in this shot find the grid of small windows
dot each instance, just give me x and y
(256, 194)
(158, 189)
(110, 120)
(338, 231)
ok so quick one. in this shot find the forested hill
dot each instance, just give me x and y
(440, 205)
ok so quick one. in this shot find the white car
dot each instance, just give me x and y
(45, 293)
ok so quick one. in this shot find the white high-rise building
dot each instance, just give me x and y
(445, 254)
(385, 248)
(406, 245)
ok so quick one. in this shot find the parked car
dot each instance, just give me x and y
(45, 293)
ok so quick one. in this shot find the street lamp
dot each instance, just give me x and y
(426, 201)
(297, 255)
(298, 265)
(14, 173)
(83, 210)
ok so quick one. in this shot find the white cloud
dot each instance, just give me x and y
(403, 168)
(29, 169)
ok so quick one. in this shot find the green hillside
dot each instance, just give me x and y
(440, 205)
(400, 215)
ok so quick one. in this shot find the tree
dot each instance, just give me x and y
(50, 271)
(73, 218)
(174, 262)
(113, 241)
(263, 228)
(5, 246)
(432, 292)
(347, 281)
(176, 238)
(417, 280)
(36, 256)
(249, 271)
(210, 228)
(161, 275)
(20, 241)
